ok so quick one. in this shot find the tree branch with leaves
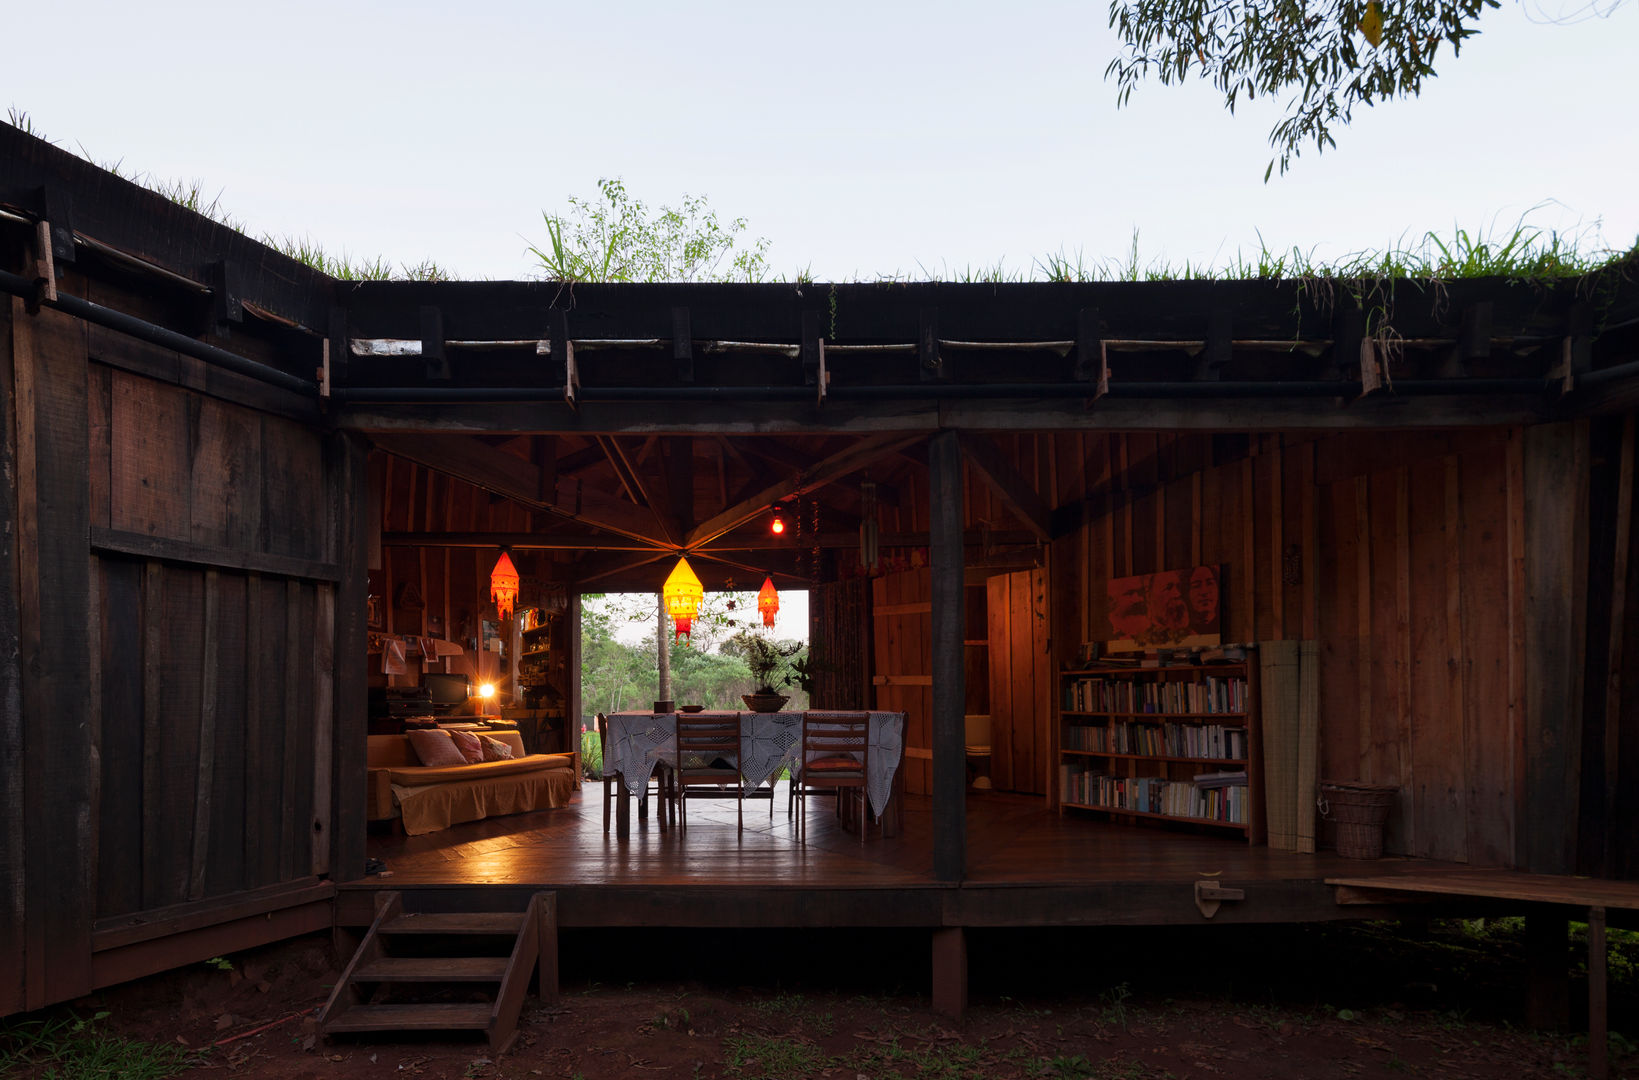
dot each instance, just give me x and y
(1331, 56)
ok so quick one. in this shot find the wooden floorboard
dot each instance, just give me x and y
(1027, 866)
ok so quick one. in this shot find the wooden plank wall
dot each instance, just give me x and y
(171, 649)
(1021, 682)
(902, 617)
(215, 780)
(1400, 556)
(60, 722)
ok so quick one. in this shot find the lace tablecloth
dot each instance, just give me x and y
(768, 742)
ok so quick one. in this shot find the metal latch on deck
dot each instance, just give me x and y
(1210, 894)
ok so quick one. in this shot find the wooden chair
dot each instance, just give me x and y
(836, 749)
(658, 778)
(702, 738)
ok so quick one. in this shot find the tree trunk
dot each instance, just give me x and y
(662, 648)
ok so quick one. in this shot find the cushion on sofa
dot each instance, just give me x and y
(466, 742)
(435, 749)
(421, 776)
(494, 749)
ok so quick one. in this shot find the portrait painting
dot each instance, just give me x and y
(1168, 609)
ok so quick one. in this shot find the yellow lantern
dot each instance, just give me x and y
(768, 601)
(682, 593)
(503, 586)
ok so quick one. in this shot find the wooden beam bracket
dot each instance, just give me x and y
(227, 304)
(1209, 896)
(929, 362)
(432, 344)
(1089, 354)
(683, 344)
(1219, 347)
(1348, 331)
(571, 377)
(810, 350)
(45, 268)
(55, 207)
(823, 383)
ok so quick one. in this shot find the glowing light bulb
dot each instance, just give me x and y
(486, 691)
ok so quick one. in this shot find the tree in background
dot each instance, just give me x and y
(616, 237)
(1331, 55)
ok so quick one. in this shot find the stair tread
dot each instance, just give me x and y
(427, 1017)
(433, 969)
(474, 922)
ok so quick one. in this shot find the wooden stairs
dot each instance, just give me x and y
(410, 964)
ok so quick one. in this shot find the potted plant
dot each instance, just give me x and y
(770, 663)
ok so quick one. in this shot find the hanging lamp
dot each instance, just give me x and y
(768, 601)
(682, 593)
(503, 586)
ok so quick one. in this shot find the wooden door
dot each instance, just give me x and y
(902, 610)
(1021, 682)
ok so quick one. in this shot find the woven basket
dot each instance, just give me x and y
(1359, 811)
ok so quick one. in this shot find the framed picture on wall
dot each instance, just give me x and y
(1167, 609)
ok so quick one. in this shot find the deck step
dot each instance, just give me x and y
(476, 922)
(426, 1017)
(433, 969)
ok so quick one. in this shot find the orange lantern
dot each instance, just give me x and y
(682, 593)
(503, 586)
(768, 601)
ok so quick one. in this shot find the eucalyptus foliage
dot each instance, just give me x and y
(1329, 55)
(616, 237)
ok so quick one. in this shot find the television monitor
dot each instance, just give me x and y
(446, 692)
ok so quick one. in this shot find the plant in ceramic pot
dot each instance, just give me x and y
(771, 668)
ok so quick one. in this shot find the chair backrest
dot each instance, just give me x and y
(832, 735)
(706, 736)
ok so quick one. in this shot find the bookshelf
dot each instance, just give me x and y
(1176, 742)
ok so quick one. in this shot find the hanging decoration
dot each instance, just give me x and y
(869, 555)
(503, 586)
(768, 601)
(682, 593)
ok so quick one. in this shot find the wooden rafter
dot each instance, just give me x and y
(513, 478)
(630, 479)
(818, 475)
(1015, 492)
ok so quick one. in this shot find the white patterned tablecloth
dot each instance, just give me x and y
(638, 741)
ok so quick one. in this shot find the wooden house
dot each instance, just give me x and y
(216, 456)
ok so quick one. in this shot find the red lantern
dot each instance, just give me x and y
(768, 601)
(503, 586)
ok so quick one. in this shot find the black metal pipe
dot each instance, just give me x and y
(1610, 374)
(159, 335)
(386, 395)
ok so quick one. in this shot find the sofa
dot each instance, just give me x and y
(425, 799)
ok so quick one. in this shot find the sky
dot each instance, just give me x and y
(862, 140)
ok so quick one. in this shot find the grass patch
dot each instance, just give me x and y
(760, 1057)
(925, 1061)
(65, 1046)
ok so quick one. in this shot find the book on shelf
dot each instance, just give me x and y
(1220, 779)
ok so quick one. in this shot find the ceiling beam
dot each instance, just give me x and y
(511, 477)
(1015, 492)
(818, 475)
(626, 471)
(835, 541)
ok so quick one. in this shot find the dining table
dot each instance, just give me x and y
(769, 742)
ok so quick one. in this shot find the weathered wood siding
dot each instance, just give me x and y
(187, 684)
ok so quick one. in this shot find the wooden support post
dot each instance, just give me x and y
(1547, 984)
(949, 689)
(1555, 561)
(351, 525)
(950, 971)
(546, 912)
(1598, 1039)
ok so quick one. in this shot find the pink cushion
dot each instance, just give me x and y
(467, 743)
(495, 749)
(434, 748)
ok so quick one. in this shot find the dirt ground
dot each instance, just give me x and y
(1351, 1002)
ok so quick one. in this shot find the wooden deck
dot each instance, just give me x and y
(1026, 867)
